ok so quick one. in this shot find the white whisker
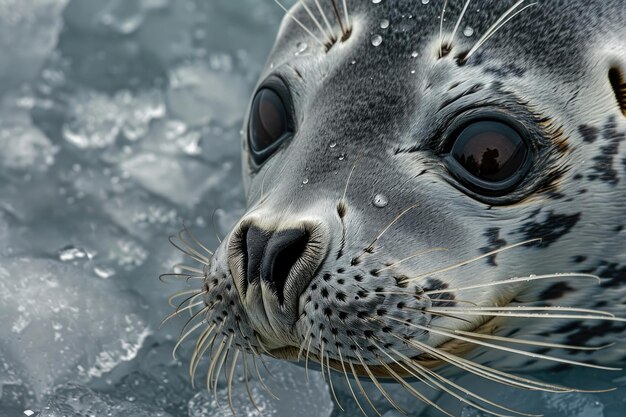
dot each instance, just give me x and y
(524, 308)
(502, 348)
(338, 17)
(321, 358)
(203, 260)
(386, 229)
(433, 377)
(330, 28)
(193, 293)
(415, 255)
(188, 268)
(313, 18)
(201, 347)
(230, 382)
(178, 311)
(214, 361)
(295, 19)
(499, 376)
(406, 386)
(472, 260)
(246, 381)
(343, 366)
(536, 316)
(503, 20)
(484, 371)
(345, 11)
(181, 339)
(531, 342)
(330, 382)
(304, 342)
(189, 246)
(345, 190)
(458, 22)
(377, 384)
(360, 386)
(197, 242)
(514, 281)
(261, 380)
(443, 12)
(481, 370)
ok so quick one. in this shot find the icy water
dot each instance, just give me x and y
(119, 121)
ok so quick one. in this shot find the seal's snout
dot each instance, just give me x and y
(272, 257)
(273, 262)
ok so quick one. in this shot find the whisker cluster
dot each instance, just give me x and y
(327, 36)
(423, 363)
(499, 24)
(445, 45)
(416, 359)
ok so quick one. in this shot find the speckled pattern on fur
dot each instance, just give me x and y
(372, 120)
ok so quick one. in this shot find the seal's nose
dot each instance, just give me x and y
(282, 261)
(271, 257)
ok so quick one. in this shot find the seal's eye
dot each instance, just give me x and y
(489, 156)
(270, 121)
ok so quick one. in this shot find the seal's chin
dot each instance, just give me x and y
(457, 348)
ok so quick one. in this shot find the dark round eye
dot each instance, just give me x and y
(490, 156)
(269, 124)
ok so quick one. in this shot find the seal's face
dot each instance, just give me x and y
(399, 177)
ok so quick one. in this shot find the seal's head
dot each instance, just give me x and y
(418, 179)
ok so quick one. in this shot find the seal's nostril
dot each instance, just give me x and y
(254, 244)
(271, 257)
(276, 263)
(282, 253)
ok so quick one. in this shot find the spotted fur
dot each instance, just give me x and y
(377, 117)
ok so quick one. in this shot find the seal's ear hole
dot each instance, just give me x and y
(617, 78)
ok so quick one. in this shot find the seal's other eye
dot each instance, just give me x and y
(270, 121)
(490, 157)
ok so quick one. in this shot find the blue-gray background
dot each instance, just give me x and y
(119, 121)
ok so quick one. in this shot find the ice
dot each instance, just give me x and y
(25, 147)
(297, 396)
(79, 401)
(199, 95)
(28, 34)
(60, 323)
(96, 120)
(553, 405)
(181, 183)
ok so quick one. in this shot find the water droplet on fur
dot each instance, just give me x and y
(468, 31)
(333, 145)
(305, 181)
(425, 1)
(377, 40)
(381, 201)
(384, 24)
(376, 1)
(302, 46)
(342, 157)
(353, 62)
(414, 54)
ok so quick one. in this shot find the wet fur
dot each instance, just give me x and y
(388, 114)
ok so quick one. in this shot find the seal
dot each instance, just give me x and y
(429, 186)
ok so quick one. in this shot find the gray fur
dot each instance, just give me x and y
(387, 113)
